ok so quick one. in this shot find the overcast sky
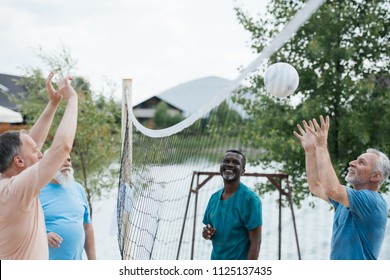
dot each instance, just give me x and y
(157, 43)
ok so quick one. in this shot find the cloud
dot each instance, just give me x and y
(158, 44)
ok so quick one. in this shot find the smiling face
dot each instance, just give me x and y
(65, 175)
(231, 167)
(361, 171)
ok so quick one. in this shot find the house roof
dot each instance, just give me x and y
(190, 96)
(152, 102)
(8, 85)
(10, 116)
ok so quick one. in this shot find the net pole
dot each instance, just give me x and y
(290, 201)
(195, 213)
(127, 135)
(185, 216)
(280, 226)
(126, 120)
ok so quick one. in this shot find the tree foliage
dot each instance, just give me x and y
(342, 56)
(97, 144)
(224, 118)
(162, 117)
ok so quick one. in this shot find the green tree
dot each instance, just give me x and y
(162, 118)
(342, 56)
(224, 118)
(97, 144)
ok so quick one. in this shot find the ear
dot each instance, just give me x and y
(19, 162)
(376, 177)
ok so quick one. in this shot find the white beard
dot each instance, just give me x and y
(354, 181)
(228, 175)
(65, 178)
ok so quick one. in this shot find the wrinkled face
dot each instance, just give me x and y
(231, 167)
(361, 170)
(29, 152)
(65, 174)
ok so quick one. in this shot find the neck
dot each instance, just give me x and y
(373, 188)
(11, 172)
(231, 186)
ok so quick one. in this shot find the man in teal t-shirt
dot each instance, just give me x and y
(233, 216)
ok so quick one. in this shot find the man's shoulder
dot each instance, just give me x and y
(248, 191)
(80, 188)
(26, 177)
(367, 199)
(217, 193)
(78, 184)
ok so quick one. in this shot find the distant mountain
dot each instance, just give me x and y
(192, 95)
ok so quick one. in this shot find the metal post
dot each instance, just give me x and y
(185, 216)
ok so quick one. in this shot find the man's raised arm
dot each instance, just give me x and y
(62, 144)
(308, 143)
(42, 126)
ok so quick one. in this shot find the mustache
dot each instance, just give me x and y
(65, 177)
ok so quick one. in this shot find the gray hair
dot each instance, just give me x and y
(10, 145)
(382, 165)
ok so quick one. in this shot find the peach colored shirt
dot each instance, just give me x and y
(22, 223)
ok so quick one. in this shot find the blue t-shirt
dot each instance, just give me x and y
(232, 219)
(66, 210)
(359, 231)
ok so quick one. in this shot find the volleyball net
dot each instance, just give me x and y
(161, 194)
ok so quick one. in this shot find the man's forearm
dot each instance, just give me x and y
(89, 245)
(312, 169)
(326, 173)
(66, 130)
(254, 251)
(42, 126)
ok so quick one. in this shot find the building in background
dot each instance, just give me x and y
(183, 99)
(10, 118)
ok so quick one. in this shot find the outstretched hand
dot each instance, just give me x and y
(64, 89)
(321, 131)
(53, 94)
(306, 137)
(313, 134)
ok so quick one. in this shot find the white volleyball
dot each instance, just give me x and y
(281, 79)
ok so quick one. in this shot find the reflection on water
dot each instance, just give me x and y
(314, 227)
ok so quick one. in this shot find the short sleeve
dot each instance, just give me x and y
(253, 214)
(360, 202)
(87, 216)
(24, 187)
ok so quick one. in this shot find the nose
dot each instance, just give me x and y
(352, 163)
(39, 154)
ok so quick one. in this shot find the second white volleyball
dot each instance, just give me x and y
(281, 79)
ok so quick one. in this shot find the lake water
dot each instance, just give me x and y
(314, 226)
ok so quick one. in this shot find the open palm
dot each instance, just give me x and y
(308, 140)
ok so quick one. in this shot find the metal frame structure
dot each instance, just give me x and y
(275, 179)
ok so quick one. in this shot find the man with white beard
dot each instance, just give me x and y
(68, 223)
(233, 216)
(360, 218)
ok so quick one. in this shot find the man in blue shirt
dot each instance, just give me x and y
(361, 212)
(68, 224)
(233, 216)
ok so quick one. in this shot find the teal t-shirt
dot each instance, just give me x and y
(232, 219)
(359, 231)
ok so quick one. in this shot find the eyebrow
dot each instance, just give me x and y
(362, 159)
